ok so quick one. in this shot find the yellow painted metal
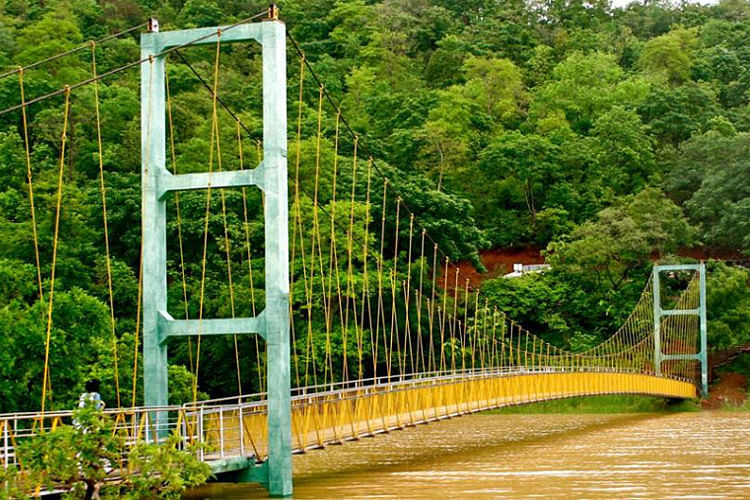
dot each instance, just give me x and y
(336, 417)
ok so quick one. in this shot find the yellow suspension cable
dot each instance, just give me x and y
(419, 303)
(103, 190)
(214, 130)
(316, 246)
(443, 319)
(407, 329)
(63, 140)
(249, 255)
(227, 251)
(349, 269)
(134, 388)
(465, 332)
(394, 325)
(295, 354)
(332, 251)
(227, 241)
(380, 313)
(431, 308)
(178, 213)
(366, 280)
(454, 319)
(27, 151)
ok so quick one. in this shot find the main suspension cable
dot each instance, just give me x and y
(72, 51)
(128, 65)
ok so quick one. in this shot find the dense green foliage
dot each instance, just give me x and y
(89, 454)
(608, 136)
(599, 270)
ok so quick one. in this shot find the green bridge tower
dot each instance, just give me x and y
(271, 177)
(659, 313)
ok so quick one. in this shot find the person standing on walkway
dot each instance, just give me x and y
(91, 397)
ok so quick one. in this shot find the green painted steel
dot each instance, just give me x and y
(271, 176)
(656, 287)
(704, 331)
(154, 215)
(660, 313)
(277, 259)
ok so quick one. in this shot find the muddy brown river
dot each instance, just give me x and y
(680, 455)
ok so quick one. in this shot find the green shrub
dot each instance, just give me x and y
(91, 454)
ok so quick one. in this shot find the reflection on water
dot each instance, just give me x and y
(700, 455)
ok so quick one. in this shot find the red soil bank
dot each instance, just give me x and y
(498, 261)
(729, 390)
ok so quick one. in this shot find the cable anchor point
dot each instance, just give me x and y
(273, 12)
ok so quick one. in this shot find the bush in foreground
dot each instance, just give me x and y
(91, 459)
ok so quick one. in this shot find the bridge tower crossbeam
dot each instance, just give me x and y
(271, 177)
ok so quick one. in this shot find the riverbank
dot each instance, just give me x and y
(729, 390)
(609, 404)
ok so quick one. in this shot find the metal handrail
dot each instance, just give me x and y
(398, 382)
(24, 425)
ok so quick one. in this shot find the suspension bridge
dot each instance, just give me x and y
(360, 323)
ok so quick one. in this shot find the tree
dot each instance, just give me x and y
(87, 455)
(621, 239)
(722, 206)
(78, 318)
(495, 84)
(440, 70)
(80, 456)
(667, 58)
(56, 32)
(697, 157)
(583, 86)
(674, 115)
(446, 132)
(164, 470)
(448, 219)
(539, 66)
(522, 115)
(709, 176)
(624, 150)
(528, 159)
(198, 13)
(537, 303)
(728, 305)
(353, 28)
(647, 20)
(503, 30)
(570, 13)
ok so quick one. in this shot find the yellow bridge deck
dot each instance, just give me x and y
(324, 418)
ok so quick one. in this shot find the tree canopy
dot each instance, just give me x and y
(609, 136)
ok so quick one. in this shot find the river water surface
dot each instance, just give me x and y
(679, 455)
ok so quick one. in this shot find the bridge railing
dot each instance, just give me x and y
(134, 424)
(300, 393)
(236, 426)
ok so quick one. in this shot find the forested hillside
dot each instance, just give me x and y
(607, 136)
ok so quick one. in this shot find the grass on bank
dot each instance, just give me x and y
(611, 403)
(727, 406)
(740, 365)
